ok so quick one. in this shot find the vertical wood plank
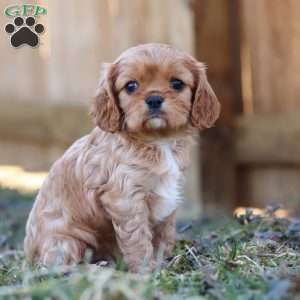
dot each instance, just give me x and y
(274, 53)
(218, 45)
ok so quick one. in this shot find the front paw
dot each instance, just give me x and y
(169, 248)
(165, 249)
(142, 267)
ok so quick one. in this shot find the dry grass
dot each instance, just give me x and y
(249, 257)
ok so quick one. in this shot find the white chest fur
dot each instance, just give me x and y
(168, 185)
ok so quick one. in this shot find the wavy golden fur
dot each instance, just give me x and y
(116, 190)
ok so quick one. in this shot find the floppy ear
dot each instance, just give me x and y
(105, 109)
(205, 107)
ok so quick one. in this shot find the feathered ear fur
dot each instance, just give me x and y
(205, 107)
(105, 109)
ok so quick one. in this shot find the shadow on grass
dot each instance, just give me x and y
(14, 210)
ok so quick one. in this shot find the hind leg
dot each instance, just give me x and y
(58, 250)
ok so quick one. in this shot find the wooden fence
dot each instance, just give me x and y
(251, 48)
(45, 92)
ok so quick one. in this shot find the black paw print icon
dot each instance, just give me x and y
(23, 33)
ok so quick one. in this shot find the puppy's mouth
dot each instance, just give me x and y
(156, 120)
(156, 114)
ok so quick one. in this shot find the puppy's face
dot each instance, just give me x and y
(154, 89)
(155, 93)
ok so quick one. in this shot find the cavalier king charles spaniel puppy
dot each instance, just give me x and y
(115, 191)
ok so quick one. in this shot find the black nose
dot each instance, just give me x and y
(154, 101)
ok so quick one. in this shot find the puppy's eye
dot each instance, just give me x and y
(131, 86)
(177, 84)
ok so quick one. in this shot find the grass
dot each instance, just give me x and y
(248, 257)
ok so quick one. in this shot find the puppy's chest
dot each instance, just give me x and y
(166, 186)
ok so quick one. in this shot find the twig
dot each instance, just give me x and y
(174, 260)
(252, 261)
(190, 250)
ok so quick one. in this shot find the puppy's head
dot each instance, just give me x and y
(154, 89)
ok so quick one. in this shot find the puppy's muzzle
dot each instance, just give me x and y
(154, 103)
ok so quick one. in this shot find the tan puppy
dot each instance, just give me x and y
(116, 190)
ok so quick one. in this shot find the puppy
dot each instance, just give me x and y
(115, 191)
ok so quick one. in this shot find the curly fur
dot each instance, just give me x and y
(115, 191)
